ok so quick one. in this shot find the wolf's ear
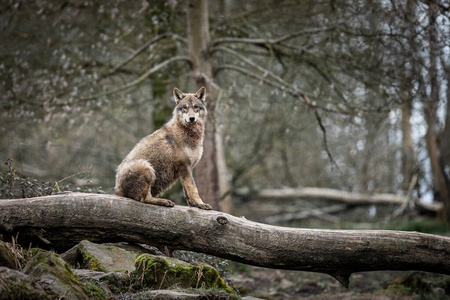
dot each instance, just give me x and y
(178, 95)
(201, 94)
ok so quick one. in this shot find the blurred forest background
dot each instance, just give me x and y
(349, 95)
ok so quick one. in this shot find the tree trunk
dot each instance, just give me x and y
(441, 185)
(445, 143)
(408, 154)
(208, 175)
(60, 221)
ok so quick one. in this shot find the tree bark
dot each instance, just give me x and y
(208, 176)
(409, 157)
(408, 154)
(60, 221)
(441, 185)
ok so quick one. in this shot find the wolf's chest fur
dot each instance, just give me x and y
(193, 155)
(185, 143)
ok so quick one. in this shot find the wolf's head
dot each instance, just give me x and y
(190, 107)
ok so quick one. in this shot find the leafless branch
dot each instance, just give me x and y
(143, 47)
(249, 62)
(290, 90)
(140, 79)
(263, 41)
(324, 138)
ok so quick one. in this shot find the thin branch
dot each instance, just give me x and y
(142, 49)
(107, 73)
(292, 91)
(263, 41)
(249, 62)
(324, 138)
(140, 79)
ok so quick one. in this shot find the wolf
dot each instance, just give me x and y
(169, 153)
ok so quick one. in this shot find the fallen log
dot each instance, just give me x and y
(323, 213)
(323, 193)
(60, 221)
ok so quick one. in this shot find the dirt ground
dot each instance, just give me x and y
(381, 285)
(280, 284)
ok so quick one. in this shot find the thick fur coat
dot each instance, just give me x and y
(169, 153)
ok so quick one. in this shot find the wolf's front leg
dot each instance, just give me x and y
(191, 192)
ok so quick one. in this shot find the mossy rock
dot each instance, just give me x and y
(6, 256)
(111, 282)
(101, 257)
(17, 285)
(56, 276)
(161, 272)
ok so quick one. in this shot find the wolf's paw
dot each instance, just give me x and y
(167, 203)
(159, 201)
(200, 205)
(204, 206)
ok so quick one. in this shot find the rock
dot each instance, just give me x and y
(170, 295)
(55, 276)
(102, 257)
(112, 282)
(179, 295)
(17, 285)
(6, 256)
(161, 272)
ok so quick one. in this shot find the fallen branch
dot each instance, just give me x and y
(324, 193)
(60, 221)
(323, 213)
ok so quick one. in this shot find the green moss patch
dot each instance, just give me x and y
(101, 257)
(160, 272)
(17, 285)
(56, 275)
(90, 262)
(6, 256)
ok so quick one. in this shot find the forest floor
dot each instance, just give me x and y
(381, 285)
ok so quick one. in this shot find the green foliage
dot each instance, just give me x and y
(92, 289)
(13, 185)
(159, 16)
(421, 285)
(221, 265)
(91, 262)
(434, 226)
(162, 272)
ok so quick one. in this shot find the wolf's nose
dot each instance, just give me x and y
(191, 119)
